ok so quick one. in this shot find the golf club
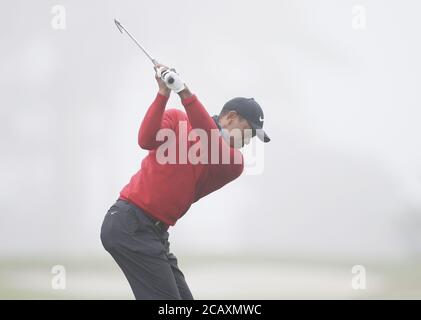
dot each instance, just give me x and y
(167, 75)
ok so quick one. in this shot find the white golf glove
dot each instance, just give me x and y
(171, 79)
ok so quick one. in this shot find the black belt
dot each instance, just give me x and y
(157, 223)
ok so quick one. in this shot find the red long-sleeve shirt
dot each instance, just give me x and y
(166, 191)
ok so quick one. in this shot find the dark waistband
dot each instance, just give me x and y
(162, 226)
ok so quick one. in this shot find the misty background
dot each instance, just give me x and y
(342, 177)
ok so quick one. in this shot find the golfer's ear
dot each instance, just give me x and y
(231, 114)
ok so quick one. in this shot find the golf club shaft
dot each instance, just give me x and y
(121, 27)
(167, 76)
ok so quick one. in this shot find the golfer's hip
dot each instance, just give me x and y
(126, 226)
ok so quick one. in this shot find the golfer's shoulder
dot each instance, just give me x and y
(176, 114)
(227, 172)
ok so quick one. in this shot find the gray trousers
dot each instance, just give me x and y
(142, 252)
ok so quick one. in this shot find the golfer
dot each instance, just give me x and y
(135, 228)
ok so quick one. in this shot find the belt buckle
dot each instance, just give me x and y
(160, 225)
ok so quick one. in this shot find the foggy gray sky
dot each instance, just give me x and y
(342, 173)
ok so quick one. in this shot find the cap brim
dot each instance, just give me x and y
(260, 133)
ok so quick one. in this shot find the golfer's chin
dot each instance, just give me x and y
(236, 145)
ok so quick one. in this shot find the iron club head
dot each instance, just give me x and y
(117, 23)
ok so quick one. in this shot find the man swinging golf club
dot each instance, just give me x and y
(135, 228)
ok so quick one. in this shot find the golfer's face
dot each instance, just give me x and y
(240, 133)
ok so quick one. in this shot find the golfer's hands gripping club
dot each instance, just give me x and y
(169, 78)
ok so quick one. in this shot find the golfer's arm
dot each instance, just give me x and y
(184, 94)
(198, 116)
(152, 122)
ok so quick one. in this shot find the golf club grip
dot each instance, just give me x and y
(170, 79)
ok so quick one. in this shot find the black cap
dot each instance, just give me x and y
(250, 110)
